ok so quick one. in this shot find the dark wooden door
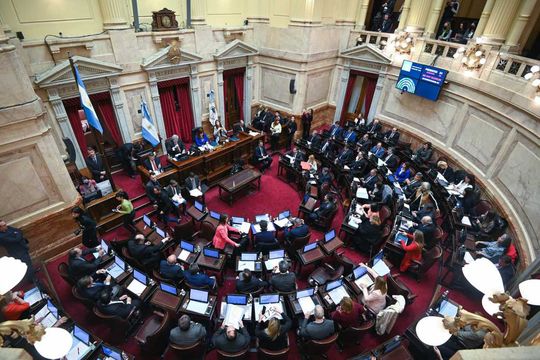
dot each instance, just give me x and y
(232, 105)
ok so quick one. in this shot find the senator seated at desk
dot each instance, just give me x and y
(187, 332)
(143, 250)
(231, 340)
(317, 329)
(123, 306)
(375, 298)
(79, 266)
(175, 146)
(170, 269)
(326, 207)
(265, 236)
(196, 278)
(261, 157)
(282, 280)
(272, 332)
(149, 188)
(348, 313)
(297, 230)
(247, 283)
(153, 164)
(91, 289)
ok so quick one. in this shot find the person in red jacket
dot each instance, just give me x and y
(13, 305)
(348, 313)
(412, 251)
(221, 237)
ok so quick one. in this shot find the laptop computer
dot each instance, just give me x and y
(336, 290)
(187, 249)
(269, 299)
(139, 282)
(147, 221)
(236, 299)
(305, 293)
(305, 301)
(198, 301)
(361, 276)
(161, 232)
(329, 236)
(33, 296)
(259, 218)
(309, 247)
(276, 254)
(248, 256)
(446, 308)
(199, 206)
(81, 344)
(379, 266)
(285, 214)
(213, 253)
(401, 237)
(111, 353)
(214, 215)
(237, 220)
(168, 288)
(117, 268)
(334, 284)
(104, 246)
(48, 314)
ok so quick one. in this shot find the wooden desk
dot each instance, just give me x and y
(98, 353)
(295, 307)
(190, 259)
(248, 315)
(331, 246)
(195, 214)
(308, 207)
(239, 181)
(309, 257)
(257, 267)
(166, 301)
(163, 178)
(203, 318)
(210, 263)
(145, 294)
(290, 171)
(142, 228)
(101, 211)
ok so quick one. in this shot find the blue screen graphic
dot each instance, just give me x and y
(422, 80)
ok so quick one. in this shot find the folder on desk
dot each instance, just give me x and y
(195, 193)
(305, 165)
(307, 304)
(362, 193)
(233, 315)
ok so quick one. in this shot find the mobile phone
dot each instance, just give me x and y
(263, 310)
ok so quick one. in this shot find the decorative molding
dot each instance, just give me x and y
(236, 49)
(164, 64)
(366, 53)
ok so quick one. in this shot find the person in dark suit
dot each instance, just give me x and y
(174, 146)
(95, 165)
(318, 329)
(91, 289)
(258, 121)
(228, 339)
(506, 269)
(307, 118)
(424, 153)
(170, 269)
(165, 207)
(387, 24)
(291, 130)
(298, 156)
(193, 182)
(195, 277)
(298, 230)
(369, 230)
(123, 307)
(350, 136)
(346, 156)
(78, 266)
(392, 136)
(427, 209)
(282, 280)
(370, 180)
(412, 185)
(247, 283)
(325, 177)
(262, 157)
(428, 228)
(264, 236)
(365, 143)
(391, 160)
(153, 164)
(335, 131)
(88, 227)
(326, 207)
(240, 127)
(16, 246)
(128, 155)
(446, 171)
(328, 149)
(174, 191)
(143, 251)
(314, 140)
(359, 165)
(187, 332)
(149, 188)
(374, 128)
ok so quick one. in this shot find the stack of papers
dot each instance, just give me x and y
(356, 179)
(195, 193)
(466, 221)
(136, 287)
(381, 268)
(233, 315)
(354, 222)
(272, 263)
(346, 167)
(257, 227)
(337, 294)
(243, 227)
(380, 162)
(246, 265)
(362, 193)
(291, 159)
(184, 255)
(307, 304)
(197, 307)
(283, 223)
(253, 133)
(365, 280)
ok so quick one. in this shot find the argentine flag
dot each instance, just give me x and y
(89, 111)
(149, 131)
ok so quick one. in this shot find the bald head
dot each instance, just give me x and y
(427, 220)
(171, 259)
(318, 312)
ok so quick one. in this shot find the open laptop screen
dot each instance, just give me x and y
(284, 215)
(310, 247)
(269, 299)
(304, 293)
(81, 335)
(334, 284)
(104, 246)
(118, 261)
(198, 295)
(199, 206)
(248, 256)
(259, 218)
(237, 299)
(359, 272)
(237, 220)
(214, 215)
(147, 221)
(168, 288)
(329, 235)
(276, 254)
(211, 253)
(187, 246)
(139, 276)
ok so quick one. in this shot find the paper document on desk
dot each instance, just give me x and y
(360, 210)
(49, 320)
(337, 294)
(78, 350)
(381, 268)
(246, 265)
(362, 193)
(253, 133)
(197, 307)
(307, 304)
(195, 193)
(441, 180)
(380, 162)
(136, 287)
(291, 159)
(272, 263)
(271, 227)
(32, 296)
(243, 227)
(354, 222)
(405, 225)
(184, 255)
(346, 167)
(466, 221)
(177, 199)
(283, 223)
(468, 257)
(355, 179)
(364, 280)
(233, 315)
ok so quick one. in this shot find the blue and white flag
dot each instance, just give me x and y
(86, 104)
(149, 131)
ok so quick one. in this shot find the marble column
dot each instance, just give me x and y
(258, 11)
(404, 14)
(433, 19)
(486, 12)
(198, 12)
(220, 94)
(499, 22)
(65, 126)
(35, 187)
(4, 30)
(306, 12)
(362, 14)
(346, 9)
(248, 86)
(118, 104)
(345, 73)
(418, 15)
(158, 113)
(195, 95)
(115, 14)
(520, 22)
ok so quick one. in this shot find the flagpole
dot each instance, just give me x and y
(99, 146)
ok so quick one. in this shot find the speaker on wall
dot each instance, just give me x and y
(70, 149)
(292, 90)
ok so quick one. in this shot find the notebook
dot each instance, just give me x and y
(233, 315)
(195, 193)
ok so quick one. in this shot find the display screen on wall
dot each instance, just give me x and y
(422, 80)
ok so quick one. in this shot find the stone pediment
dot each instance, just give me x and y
(89, 69)
(366, 52)
(166, 58)
(235, 49)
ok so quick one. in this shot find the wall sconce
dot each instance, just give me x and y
(534, 73)
(403, 43)
(359, 41)
(382, 44)
(473, 58)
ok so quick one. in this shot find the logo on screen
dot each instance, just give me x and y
(406, 84)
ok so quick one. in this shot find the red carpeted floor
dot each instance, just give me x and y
(275, 196)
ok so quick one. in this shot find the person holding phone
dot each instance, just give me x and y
(272, 333)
